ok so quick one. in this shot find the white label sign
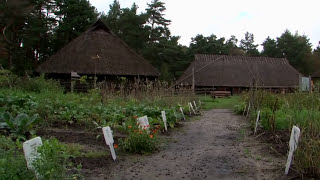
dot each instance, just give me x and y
(293, 144)
(195, 105)
(248, 110)
(107, 133)
(190, 105)
(143, 122)
(164, 118)
(199, 103)
(182, 113)
(244, 111)
(30, 148)
(257, 122)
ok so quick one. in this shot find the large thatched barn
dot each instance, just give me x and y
(97, 52)
(235, 73)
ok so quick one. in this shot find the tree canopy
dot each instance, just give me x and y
(33, 30)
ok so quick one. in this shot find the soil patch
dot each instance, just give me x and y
(217, 146)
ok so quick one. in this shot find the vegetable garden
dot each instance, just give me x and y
(40, 107)
(279, 112)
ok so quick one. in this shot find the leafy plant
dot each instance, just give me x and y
(140, 141)
(12, 161)
(20, 125)
(54, 161)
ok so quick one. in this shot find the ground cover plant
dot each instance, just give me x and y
(279, 112)
(219, 103)
(28, 107)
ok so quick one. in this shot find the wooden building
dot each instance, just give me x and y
(99, 53)
(237, 73)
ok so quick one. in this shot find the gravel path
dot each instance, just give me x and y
(216, 146)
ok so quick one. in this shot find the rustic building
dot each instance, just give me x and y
(316, 77)
(100, 53)
(235, 73)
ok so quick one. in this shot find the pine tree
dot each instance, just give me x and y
(159, 24)
(248, 46)
(270, 48)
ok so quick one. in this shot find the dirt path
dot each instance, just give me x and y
(214, 147)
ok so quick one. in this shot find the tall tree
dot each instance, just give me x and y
(271, 49)
(297, 49)
(113, 16)
(208, 45)
(159, 24)
(316, 59)
(73, 18)
(247, 44)
(232, 47)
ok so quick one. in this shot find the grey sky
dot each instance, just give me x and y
(235, 17)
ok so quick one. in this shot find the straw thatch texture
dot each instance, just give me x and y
(98, 51)
(316, 74)
(241, 71)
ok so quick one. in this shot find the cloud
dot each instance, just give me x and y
(234, 17)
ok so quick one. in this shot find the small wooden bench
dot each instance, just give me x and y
(220, 94)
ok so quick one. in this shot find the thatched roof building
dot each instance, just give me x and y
(98, 51)
(240, 71)
(316, 76)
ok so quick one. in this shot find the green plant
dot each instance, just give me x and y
(21, 125)
(281, 112)
(54, 161)
(40, 84)
(12, 161)
(141, 141)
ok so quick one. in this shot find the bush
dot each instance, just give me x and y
(8, 79)
(141, 141)
(40, 84)
(281, 112)
(12, 161)
(54, 161)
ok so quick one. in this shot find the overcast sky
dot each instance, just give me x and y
(235, 17)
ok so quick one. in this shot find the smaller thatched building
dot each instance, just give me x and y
(235, 73)
(316, 77)
(100, 53)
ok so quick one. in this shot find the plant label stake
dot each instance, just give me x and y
(245, 108)
(182, 113)
(30, 148)
(107, 133)
(143, 122)
(195, 105)
(257, 122)
(190, 106)
(248, 110)
(199, 103)
(293, 144)
(164, 118)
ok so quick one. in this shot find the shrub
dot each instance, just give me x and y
(54, 161)
(12, 161)
(21, 125)
(40, 84)
(141, 141)
(8, 79)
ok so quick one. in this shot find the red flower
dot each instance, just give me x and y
(129, 126)
(115, 146)
(151, 136)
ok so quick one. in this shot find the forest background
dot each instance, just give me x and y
(33, 30)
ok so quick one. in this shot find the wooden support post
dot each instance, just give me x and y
(193, 80)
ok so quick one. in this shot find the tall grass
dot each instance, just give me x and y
(281, 112)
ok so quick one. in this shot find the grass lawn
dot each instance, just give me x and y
(219, 103)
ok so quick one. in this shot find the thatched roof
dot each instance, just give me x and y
(240, 71)
(316, 74)
(100, 51)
